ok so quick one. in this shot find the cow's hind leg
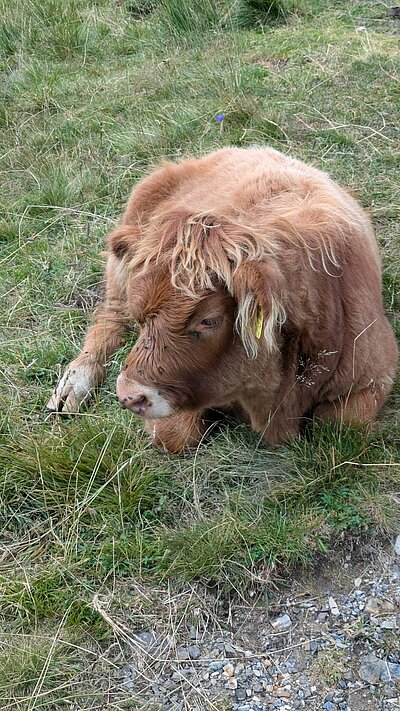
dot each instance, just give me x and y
(356, 408)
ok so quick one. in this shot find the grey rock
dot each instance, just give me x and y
(373, 670)
(282, 623)
(182, 653)
(216, 666)
(333, 606)
(240, 694)
(194, 651)
(193, 632)
(394, 671)
(322, 616)
(230, 651)
(329, 706)
(389, 624)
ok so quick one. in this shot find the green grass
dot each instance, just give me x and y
(94, 521)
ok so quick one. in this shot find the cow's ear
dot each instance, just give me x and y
(258, 291)
(123, 240)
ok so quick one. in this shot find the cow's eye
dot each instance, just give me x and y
(208, 324)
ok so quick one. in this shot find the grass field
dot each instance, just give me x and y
(95, 525)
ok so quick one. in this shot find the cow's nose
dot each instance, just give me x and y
(139, 404)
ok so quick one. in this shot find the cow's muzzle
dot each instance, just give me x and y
(141, 399)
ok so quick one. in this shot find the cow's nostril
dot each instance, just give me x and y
(138, 404)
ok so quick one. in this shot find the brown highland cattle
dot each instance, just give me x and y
(255, 282)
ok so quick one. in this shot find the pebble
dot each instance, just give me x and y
(397, 545)
(240, 694)
(230, 651)
(194, 651)
(373, 670)
(281, 623)
(333, 606)
(182, 653)
(389, 624)
(229, 669)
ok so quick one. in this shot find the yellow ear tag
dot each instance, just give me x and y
(259, 323)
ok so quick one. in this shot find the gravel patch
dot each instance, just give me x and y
(333, 645)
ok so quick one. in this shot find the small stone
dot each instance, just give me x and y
(193, 632)
(229, 670)
(322, 617)
(230, 651)
(283, 693)
(397, 545)
(232, 683)
(282, 623)
(216, 666)
(389, 624)
(194, 651)
(182, 653)
(338, 640)
(333, 606)
(372, 669)
(329, 706)
(240, 694)
(357, 582)
(394, 671)
(248, 653)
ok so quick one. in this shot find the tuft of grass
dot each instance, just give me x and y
(188, 21)
(140, 8)
(28, 666)
(260, 13)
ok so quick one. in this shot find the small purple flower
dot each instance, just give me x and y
(219, 118)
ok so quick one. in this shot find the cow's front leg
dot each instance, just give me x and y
(178, 433)
(80, 378)
(86, 372)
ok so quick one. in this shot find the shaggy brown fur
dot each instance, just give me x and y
(256, 284)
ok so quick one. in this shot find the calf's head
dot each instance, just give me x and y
(199, 295)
